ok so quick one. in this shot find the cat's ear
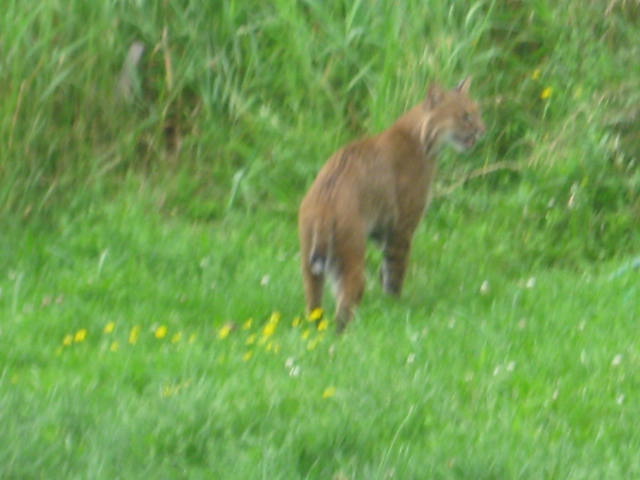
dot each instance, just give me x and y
(464, 85)
(435, 95)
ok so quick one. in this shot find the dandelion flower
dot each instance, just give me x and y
(313, 344)
(323, 325)
(247, 356)
(68, 340)
(316, 314)
(273, 347)
(192, 338)
(269, 329)
(134, 334)
(115, 346)
(329, 392)
(577, 93)
(306, 334)
(546, 93)
(168, 391)
(80, 336)
(161, 332)
(248, 324)
(296, 322)
(110, 327)
(224, 331)
(251, 339)
(275, 318)
(176, 338)
(536, 74)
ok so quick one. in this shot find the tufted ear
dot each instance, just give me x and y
(434, 96)
(464, 85)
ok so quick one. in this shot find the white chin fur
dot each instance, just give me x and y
(450, 139)
(455, 143)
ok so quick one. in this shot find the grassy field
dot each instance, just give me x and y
(151, 308)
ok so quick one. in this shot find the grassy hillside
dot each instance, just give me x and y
(150, 300)
(262, 93)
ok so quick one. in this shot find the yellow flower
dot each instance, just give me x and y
(316, 314)
(224, 331)
(247, 356)
(68, 340)
(248, 324)
(134, 334)
(161, 332)
(329, 392)
(273, 347)
(251, 339)
(313, 343)
(536, 74)
(275, 318)
(109, 327)
(546, 93)
(269, 329)
(168, 391)
(306, 334)
(176, 337)
(323, 325)
(80, 335)
(577, 93)
(296, 322)
(192, 337)
(115, 346)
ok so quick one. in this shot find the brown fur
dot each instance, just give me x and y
(379, 187)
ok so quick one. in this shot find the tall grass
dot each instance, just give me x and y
(264, 92)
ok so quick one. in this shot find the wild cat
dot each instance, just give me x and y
(378, 187)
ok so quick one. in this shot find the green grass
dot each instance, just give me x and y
(513, 352)
(536, 377)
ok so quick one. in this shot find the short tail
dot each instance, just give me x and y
(320, 251)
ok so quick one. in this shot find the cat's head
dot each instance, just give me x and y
(454, 117)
